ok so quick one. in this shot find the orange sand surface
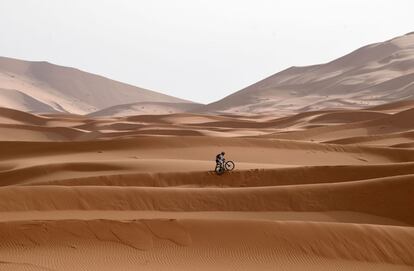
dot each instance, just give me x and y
(321, 190)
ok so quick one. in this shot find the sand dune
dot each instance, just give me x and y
(384, 197)
(160, 244)
(372, 75)
(16, 99)
(394, 107)
(320, 190)
(42, 87)
(96, 174)
(144, 108)
(386, 126)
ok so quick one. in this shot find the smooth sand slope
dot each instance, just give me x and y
(42, 87)
(372, 75)
(145, 108)
(321, 190)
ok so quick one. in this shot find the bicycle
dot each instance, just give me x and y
(224, 166)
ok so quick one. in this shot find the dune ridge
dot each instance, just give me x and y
(374, 196)
(320, 190)
(306, 248)
(373, 75)
(42, 87)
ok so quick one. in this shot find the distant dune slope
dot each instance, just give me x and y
(42, 87)
(372, 75)
(397, 123)
(144, 108)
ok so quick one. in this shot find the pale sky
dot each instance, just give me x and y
(200, 50)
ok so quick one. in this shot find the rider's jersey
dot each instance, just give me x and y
(219, 157)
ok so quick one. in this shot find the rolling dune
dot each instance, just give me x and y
(320, 190)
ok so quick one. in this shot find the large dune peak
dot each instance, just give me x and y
(372, 75)
(42, 87)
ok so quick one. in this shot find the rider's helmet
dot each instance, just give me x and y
(223, 153)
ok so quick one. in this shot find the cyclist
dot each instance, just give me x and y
(220, 158)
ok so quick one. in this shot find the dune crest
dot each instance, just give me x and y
(373, 75)
(42, 87)
(319, 190)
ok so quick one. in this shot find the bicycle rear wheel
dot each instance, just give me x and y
(219, 170)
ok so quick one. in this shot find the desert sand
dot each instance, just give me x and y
(96, 174)
(372, 75)
(42, 87)
(321, 190)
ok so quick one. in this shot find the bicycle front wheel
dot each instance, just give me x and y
(229, 165)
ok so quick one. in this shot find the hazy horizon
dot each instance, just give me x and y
(196, 50)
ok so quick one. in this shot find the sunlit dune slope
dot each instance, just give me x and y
(319, 190)
(372, 75)
(42, 87)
